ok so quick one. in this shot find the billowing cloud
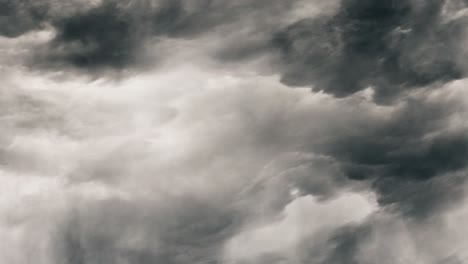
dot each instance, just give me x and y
(188, 145)
(112, 34)
(391, 46)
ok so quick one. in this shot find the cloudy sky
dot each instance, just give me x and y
(233, 131)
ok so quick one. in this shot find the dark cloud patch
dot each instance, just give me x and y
(114, 34)
(420, 198)
(391, 46)
(189, 18)
(105, 35)
(20, 16)
(410, 158)
(404, 143)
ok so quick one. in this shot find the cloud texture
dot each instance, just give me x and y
(168, 132)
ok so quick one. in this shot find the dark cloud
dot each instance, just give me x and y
(101, 36)
(20, 16)
(410, 158)
(114, 34)
(221, 158)
(392, 46)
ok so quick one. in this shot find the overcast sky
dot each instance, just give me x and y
(233, 131)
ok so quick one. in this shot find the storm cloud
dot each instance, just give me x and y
(113, 35)
(391, 46)
(168, 132)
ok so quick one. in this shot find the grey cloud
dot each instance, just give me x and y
(412, 164)
(216, 178)
(380, 238)
(392, 46)
(264, 259)
(179, 230)
(20, 16)
(114, 35)
(101, 36)
(177, 190)
(184, 210)
(344, 244)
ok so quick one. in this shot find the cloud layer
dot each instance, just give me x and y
(392, 46)
(168, 132)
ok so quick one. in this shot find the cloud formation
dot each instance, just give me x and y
(392, 46)
(112, 34)
(188, 145)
